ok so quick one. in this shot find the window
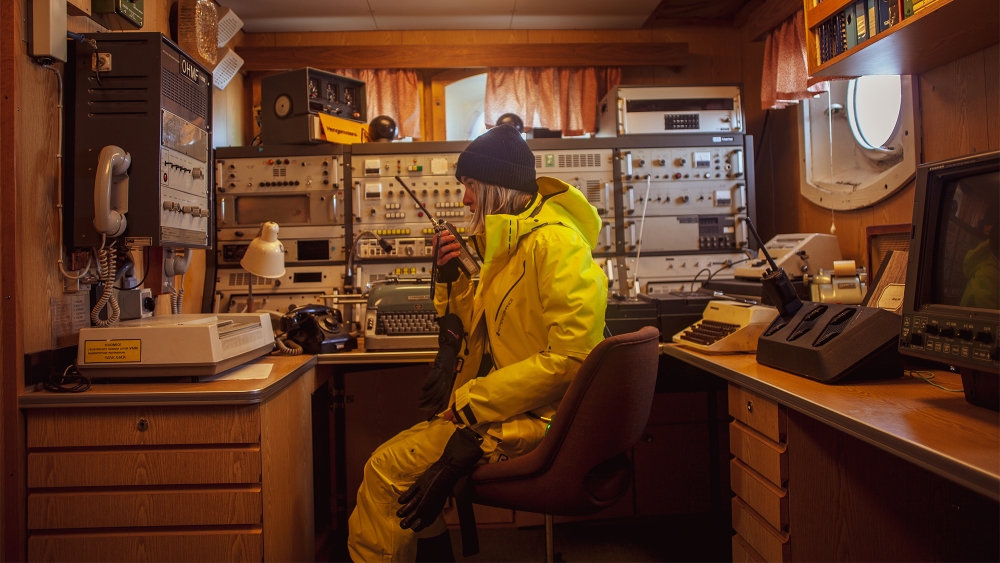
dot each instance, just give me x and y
(858, 141)
(464, 105)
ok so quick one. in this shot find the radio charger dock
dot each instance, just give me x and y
(830, 342)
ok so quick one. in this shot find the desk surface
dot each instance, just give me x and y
(918, 422)
(219, 390)
(361, 356)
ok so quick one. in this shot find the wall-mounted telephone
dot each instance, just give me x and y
(318, 330)
(111, 191)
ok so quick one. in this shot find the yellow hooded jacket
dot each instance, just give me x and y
(538, 311)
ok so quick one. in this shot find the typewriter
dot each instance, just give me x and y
(727, 327)
(400, 316)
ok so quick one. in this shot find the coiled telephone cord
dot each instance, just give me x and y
(106, 265)
(288, 347)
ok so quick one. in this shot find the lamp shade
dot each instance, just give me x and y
(265, 257)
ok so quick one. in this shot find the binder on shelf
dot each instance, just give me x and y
(852, 27)
(861, 19)
(872, 18)
(907, 8)
(882, 10)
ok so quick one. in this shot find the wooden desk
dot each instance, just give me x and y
(218, 470)
(878, 470)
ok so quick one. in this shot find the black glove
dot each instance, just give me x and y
(437, 387)
(423, 502)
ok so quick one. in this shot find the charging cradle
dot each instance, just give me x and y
(830, 342)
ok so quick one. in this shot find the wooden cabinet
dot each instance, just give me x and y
(944, 31)
(758, 477)
(166, 482)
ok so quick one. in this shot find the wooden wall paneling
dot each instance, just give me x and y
(11, 310)
(286, 473)
(841, 487)
(991, 68)
(770, 15)
(953, 109)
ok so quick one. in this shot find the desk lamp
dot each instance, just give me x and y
(265, 257)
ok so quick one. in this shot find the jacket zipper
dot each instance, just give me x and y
(524, 265)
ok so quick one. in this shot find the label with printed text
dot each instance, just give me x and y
(112, 351)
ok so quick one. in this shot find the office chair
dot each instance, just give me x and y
(581, 466)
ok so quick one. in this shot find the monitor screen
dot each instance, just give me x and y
(964, 264)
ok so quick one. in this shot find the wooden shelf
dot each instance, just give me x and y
(945, 31)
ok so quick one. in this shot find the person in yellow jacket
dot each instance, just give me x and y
(536, 312)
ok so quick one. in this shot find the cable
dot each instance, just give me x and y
(106, 266)
(288, 347)
(728, 265)
(145, 272)
(59, 176)
(927, 376)
(698, 274)
(638, 243)
(65, 383)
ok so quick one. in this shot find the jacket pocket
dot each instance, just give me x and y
(500, 307)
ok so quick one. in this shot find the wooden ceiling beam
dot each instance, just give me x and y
(460, 56)
(769, 16)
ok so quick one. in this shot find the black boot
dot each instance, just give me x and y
(435, 550)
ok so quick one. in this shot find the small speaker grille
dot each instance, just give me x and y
(185, 93)
(577, 160)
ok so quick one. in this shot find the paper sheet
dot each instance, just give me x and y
(252, 371)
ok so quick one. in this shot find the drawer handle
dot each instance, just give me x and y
(750, 406)
(142, 425)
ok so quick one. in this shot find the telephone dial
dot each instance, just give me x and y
(318, 330)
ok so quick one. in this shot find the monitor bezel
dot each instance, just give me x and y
(931, 181)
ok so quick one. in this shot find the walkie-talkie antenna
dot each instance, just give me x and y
(753, 231)
(414, 196)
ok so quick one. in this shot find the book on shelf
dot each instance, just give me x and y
(861, 18)
(919, 5)
(907, 8)
(851, 27)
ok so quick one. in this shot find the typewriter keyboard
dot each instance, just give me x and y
(707, 333)
(406, 322)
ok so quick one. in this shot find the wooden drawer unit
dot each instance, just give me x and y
(763, 415)
(770, 502)
(140, 466)
(768, 458)
(113, 547)
(772, 545)
(135, 426)
(743, 553)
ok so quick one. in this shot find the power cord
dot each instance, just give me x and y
(927, 376)
(65, 383)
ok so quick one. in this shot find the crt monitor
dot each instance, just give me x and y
(951, 304)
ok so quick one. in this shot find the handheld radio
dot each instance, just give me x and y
(466, 261)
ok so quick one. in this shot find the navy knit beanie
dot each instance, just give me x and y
(500, 157)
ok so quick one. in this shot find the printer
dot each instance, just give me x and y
(174, 345)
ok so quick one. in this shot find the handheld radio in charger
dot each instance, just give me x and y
(776, 284)
(466, 261)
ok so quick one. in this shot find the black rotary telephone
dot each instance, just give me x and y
(318, 330)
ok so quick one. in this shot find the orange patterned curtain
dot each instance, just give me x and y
(785, 79)
(558, 98)
(391, 92)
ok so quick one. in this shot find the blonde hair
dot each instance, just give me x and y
(492, 200)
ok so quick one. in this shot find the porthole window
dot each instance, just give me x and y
(858, 141)
(873, 110)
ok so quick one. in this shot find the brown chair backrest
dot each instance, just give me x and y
(580, 467)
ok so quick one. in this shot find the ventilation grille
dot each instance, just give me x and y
(594, 192)
(242, 279)
(538, 161)
(576, 160)
(279, 172)
(185, 93)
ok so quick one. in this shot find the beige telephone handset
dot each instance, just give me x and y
(111, 191)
